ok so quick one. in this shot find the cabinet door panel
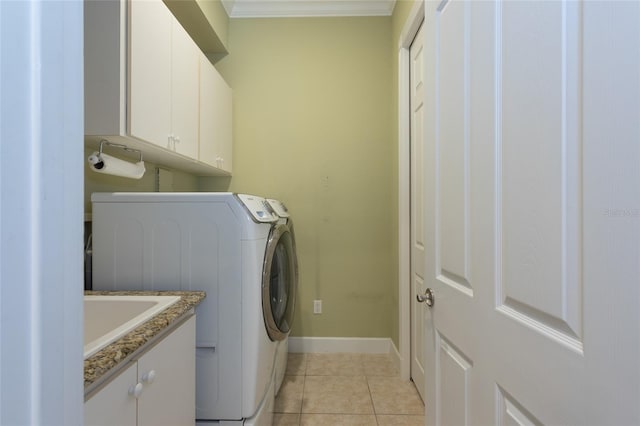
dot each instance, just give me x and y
(113, 406)
(215, 117)
(208, 142)
(150, 71)
(170, 398)
(224, 121)
(184, 91)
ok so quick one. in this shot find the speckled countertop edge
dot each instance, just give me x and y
(100, 363)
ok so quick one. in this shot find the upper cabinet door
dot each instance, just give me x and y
(224, 107)
(184, 91)
(215, 117)
(150, 72)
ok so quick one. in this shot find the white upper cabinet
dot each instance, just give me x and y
(184, 92)
(150, 72)
(215, 117)
(142, 87)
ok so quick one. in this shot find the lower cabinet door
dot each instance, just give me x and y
(113, 405)
(167, 373)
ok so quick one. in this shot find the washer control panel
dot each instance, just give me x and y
(258, 207)
(278, 207)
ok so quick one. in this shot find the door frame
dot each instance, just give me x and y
(42, 212)
(409, 31)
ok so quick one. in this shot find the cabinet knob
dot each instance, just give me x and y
(136, 390)
(149, 377)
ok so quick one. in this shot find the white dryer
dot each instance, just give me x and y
(289, 293)
(232, 247)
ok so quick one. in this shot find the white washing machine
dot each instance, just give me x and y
(232, 247)
(282, 350)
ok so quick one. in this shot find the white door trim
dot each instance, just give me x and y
(41, 182)
(411, 26)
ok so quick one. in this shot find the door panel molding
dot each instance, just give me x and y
(538, 221)
(453, 381)
(509, 411)
(453, 198)
(456, 282)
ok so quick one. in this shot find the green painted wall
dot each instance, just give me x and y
(313, 126)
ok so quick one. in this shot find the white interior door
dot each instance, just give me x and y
(416, 101)
(532, 212)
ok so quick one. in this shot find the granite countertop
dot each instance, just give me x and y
(100, 363)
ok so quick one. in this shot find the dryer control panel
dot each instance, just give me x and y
(278, 207)
(258, 207)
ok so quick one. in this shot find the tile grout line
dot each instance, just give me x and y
(305, 359)
(373, 405)
(366, 377)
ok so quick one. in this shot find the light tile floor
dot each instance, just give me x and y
(346, 390)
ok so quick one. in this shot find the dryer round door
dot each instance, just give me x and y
(279, 282)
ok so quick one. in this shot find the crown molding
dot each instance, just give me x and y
(307, 8)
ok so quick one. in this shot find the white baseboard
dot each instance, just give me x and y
(369, 345)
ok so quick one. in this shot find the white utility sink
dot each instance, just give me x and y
(108, 318)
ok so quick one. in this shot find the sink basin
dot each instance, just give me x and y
(108, 318)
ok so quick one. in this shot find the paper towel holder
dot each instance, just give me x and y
(101, 162)
(119, 145)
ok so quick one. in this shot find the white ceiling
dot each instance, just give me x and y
(307, 8)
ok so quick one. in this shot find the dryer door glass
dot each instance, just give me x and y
(279, 281)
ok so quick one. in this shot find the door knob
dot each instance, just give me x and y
(426, 297)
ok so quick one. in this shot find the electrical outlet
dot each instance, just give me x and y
(317, 306)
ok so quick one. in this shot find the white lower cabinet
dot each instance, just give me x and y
(113, 405)
(157, 389)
